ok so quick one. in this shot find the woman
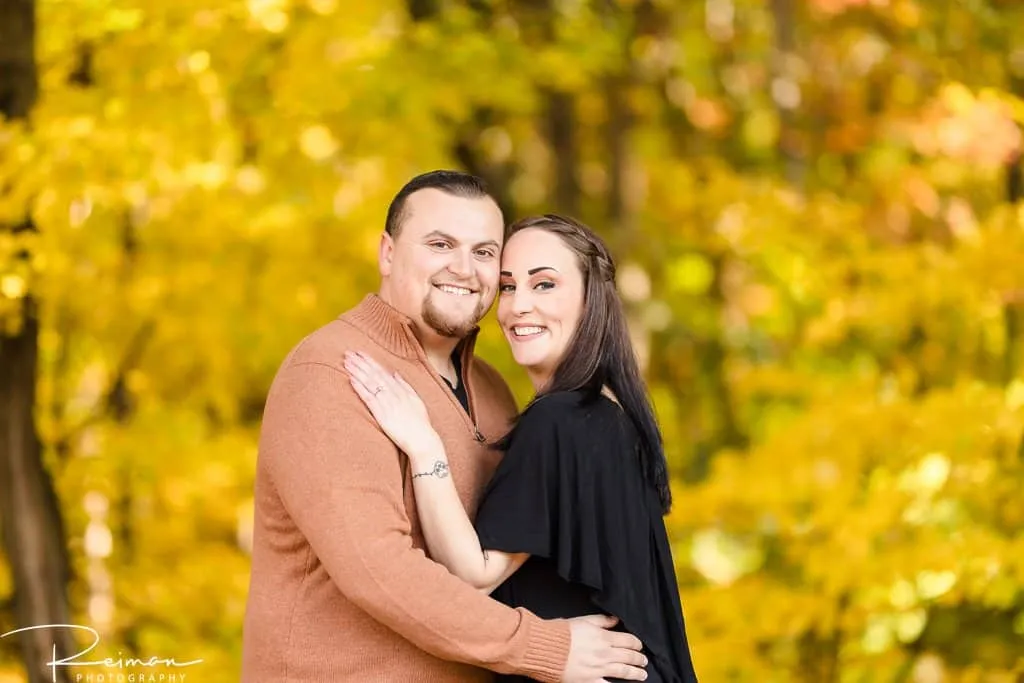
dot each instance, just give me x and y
(572, 521)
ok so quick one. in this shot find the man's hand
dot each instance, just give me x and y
(596, 653)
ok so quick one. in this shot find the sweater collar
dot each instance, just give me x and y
(392, 329)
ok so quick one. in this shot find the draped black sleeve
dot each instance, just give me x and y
(570, 489)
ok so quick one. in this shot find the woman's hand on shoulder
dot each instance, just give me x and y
(395, 405)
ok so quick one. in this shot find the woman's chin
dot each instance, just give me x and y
(524, 361)
(529, 355)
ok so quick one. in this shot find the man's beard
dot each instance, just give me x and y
(436, 319)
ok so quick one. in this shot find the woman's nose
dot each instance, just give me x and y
(522, 302)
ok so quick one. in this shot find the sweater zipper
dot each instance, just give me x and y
(469, 417)
(467, 362)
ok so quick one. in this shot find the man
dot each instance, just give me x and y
(341, 587)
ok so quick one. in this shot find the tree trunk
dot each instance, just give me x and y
(785, 48)
(617, 131)
(30, 518)
(561, 130)
(1013, 309)
(465, 146)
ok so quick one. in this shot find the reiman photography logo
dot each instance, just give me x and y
(109, 670)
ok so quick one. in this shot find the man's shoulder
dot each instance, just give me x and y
(328, 344)
(487, 375)
(488, 382)
(316, 362)
(325, 345)
(487, 371)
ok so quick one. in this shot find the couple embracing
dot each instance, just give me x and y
(410, 526)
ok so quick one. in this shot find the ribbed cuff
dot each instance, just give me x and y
(547, 649)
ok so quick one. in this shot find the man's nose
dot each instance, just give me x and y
(461, 263)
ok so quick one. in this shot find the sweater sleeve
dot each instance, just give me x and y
(340, 479)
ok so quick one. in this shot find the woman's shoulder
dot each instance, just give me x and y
(556, 405)
(574, 411)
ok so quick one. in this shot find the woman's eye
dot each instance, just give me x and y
(546, 284)
(505, 289)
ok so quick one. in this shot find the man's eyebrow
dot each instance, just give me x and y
(531, 271)
(434, 234)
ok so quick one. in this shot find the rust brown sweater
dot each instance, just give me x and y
(341, 587)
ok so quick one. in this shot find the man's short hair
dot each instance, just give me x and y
(454, 183)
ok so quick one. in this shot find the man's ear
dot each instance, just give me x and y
(385, 255)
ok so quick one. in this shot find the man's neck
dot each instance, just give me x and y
(440, 358)
(438, 349)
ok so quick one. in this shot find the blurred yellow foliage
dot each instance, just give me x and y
(816, 211)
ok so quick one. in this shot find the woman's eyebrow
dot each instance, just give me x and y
(531, 271)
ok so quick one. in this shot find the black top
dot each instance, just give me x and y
(570, 491)
(460, 387)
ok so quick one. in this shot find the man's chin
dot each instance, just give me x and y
(450, 324)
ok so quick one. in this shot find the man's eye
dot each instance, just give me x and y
(485, 253)
(439, 245)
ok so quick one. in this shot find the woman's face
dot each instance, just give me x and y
(540, 300)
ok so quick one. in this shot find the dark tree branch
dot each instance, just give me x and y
(82, 75)
(116, 401)
(420, 10)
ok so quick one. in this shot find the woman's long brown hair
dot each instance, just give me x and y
(600, 351)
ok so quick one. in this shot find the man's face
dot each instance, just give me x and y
(441, 269)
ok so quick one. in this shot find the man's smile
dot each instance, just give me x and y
(455, 289)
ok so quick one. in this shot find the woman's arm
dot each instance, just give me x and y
(449, 534)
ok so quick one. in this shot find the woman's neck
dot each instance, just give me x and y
(538, 379)
(605, 391)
